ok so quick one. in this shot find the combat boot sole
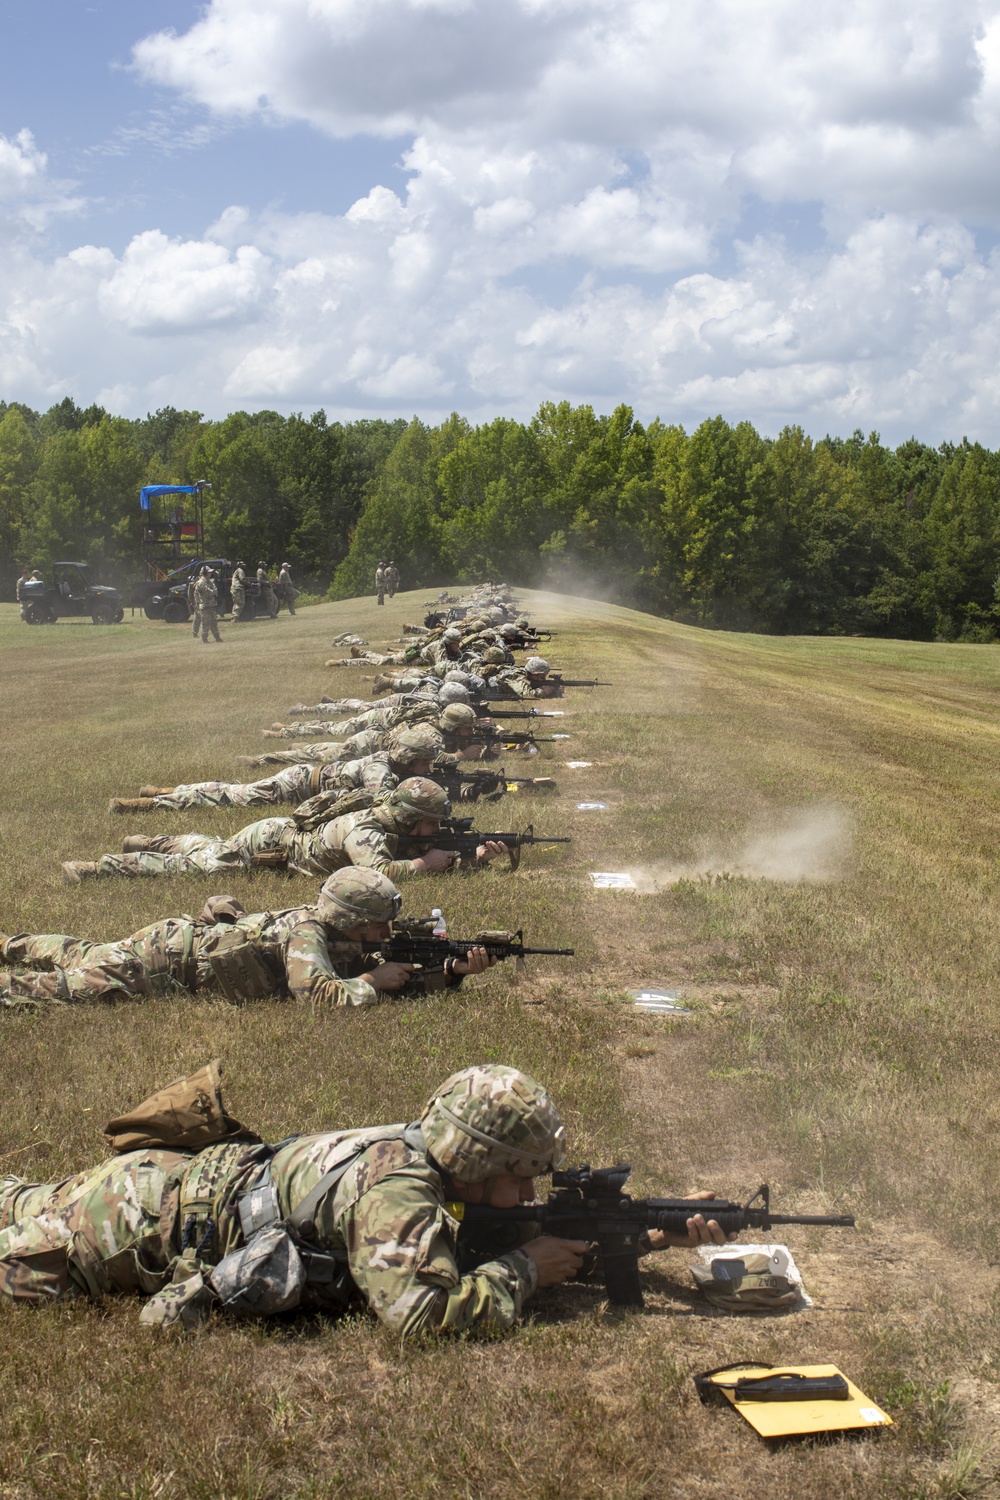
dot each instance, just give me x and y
(131, 805)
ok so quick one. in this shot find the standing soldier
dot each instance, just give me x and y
(206, 598)
(266, 590)
(20, 591)
(238, 588)
(286, 589)
(192, 599)
(380, 582)
(392, 578)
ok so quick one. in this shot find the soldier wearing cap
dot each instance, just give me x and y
(391, 579)
(365, 1217)
(206, 603)
(370, 838)
(238, 589)
(380, 582)
(310, 953)
(407, 753)
(285, 589)
(266, 593)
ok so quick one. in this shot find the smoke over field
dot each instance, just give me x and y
(807, 845)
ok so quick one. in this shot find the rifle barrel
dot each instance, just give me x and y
(840, 1221)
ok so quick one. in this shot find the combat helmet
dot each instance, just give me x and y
(414, 742)
(455, 717)
(417, 798)
(453, 692)
(451, 636)
(536, 666)
(493, 656)
(490, 1119)
(355, 895)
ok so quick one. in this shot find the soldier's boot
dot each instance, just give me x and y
(135, 843)
(250, 760)
(298, 710)
(131, 805)
(381, 683)
(75, 870)
(355, 651)
(155, 791)
(270, 859)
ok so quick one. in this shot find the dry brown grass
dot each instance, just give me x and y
(843, 1046)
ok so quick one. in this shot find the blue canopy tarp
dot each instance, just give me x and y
(149, 491)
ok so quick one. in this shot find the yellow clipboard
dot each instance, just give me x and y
(773, 1419)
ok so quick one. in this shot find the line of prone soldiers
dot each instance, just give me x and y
(203, 1215)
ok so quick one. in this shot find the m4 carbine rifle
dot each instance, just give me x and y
(413, 942)
(592, 1205)
(459, 837)
(484, 711)
(577, 681)
(485, 735)
(470, 786)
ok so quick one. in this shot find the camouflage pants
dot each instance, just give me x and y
(267, 598)
(209, 622)
(315, 750)
(291, 786)
(239, 601)
(198, 853)
(90, 1235)
(328, 728)
(156, 960)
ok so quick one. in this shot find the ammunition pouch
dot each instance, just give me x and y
(238, 968)
(269, 859)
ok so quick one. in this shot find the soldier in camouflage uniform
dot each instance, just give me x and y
(238, 588)
(369, 838)
(528, 681)
(409, 752)
(266, 594)
(192, 602)
(206, 598)
(320, 1222)
(320, 953)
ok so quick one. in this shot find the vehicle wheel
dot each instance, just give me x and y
(38, 614)
(119, 615)
(175, 612)
(104, 614)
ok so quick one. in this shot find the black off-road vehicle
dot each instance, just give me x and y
(70, 593)
(167, 599)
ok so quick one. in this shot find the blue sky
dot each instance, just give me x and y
(782, 213)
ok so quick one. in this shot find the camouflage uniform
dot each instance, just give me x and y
(193, 603)
(238, 589)
(266, 594)
(285, 589)
(384, 1220)
(300, 780)
(302, 958)
(367, 838)
(392, 579)
(380, 716)
(206, 598)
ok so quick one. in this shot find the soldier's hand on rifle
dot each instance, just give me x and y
(486, 853)
(473, 751)
(434, 862)
(390, 976)
(476, 961)
(699, 1232)
(556, 1260)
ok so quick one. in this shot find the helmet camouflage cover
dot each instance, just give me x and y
(416, 798)
(494, 657)
(457, 716)
(491, 1119)
(355, 895)
(451, 636)
(415, 742)
(537, 666)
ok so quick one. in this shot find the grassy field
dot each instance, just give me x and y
(813, 826)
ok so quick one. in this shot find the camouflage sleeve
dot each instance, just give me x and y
(311, 975)
(401, 1247)
(369, 848)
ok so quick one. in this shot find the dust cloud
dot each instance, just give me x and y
(811, 846)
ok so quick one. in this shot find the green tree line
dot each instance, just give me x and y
(719, 527)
